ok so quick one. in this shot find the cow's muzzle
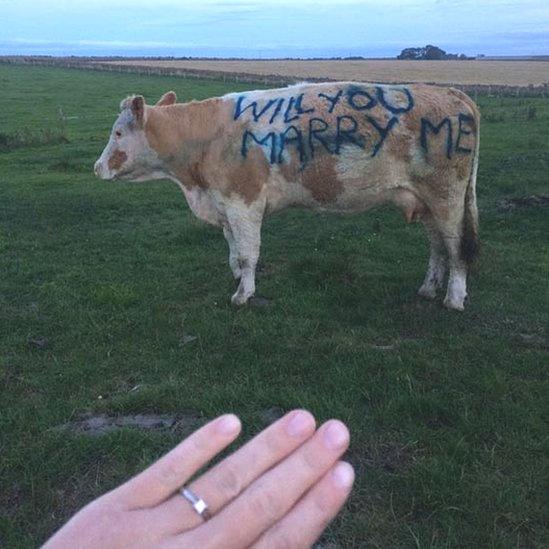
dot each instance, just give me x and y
(100, 171)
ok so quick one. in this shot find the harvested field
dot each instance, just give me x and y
(508, 73)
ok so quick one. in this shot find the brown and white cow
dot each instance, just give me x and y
(339, 147)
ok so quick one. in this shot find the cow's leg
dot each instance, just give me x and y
(457, 280)
(447, 219)
(233, 253)
(447, 222)
(246, 230)
(434, 278)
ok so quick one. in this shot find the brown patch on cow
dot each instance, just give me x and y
(291, 170)
(163, 132)
(179, 129)
(117, 159)
(196, 175)
(399, 144)
(463, 164)
(247, 178)
(192, 174)
(321, 179)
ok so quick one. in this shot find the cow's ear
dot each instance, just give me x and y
(169, 98)
(138, 108)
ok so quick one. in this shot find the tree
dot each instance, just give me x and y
(410, 53)
(434, 53)
(430, 52)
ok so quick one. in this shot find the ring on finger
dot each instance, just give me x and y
(198, 504)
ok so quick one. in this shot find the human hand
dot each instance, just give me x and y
(281, 489)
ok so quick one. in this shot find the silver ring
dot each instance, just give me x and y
(199, 505)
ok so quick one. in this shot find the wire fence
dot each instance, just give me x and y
(88, 64)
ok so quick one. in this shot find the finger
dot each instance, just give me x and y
(271, 496)
(304, 524)
(229, 478)
(170, 472)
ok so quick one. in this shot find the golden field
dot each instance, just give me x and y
(509, 73)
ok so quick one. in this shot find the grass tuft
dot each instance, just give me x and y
(31, 138)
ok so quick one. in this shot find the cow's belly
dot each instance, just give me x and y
(349, 192)
(352, 200)
(355, 199)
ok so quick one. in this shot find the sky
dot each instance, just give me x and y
(268, 28)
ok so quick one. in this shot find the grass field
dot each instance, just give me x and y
(510, 73)
(104, 285)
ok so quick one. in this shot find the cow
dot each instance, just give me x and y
(333, 147)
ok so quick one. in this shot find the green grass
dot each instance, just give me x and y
(448, 411)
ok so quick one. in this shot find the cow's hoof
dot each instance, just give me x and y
(454, 305)
(427, 292)
(239, 299)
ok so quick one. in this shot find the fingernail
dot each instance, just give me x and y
(343, 475)
(335, 435)
(299, 424)
(228, 425)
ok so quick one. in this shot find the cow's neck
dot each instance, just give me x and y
(182, 132)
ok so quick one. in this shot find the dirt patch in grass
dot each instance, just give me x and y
(389, 457)
(188, 338)
(38, 342)
(12, 496)
(270, 415)
(394, 344)
(259, 301)
(533, 340)
(394, 458)
(533, 201)
(101, 424)
(69, 165)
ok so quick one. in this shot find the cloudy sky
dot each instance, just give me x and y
(269, 28)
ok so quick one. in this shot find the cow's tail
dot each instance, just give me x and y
(470, 243)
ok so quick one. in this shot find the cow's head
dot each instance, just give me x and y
(128, 154)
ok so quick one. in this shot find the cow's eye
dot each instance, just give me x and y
(118, 133)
